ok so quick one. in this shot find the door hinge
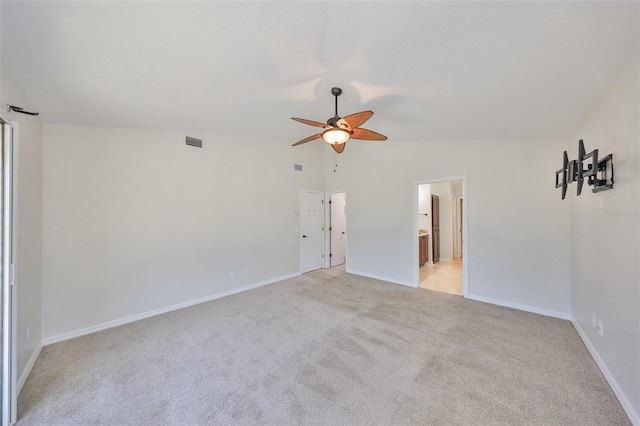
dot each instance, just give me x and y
(329, 201)
(330, 254)
(330, 228)
(12, 274)
(322, 201)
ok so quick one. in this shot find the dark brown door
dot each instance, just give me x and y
(435, 227)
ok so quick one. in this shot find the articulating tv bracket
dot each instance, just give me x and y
(20, 110)
(597, 173)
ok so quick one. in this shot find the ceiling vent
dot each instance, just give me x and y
(194, 142)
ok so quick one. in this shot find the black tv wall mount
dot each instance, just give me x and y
(596, 172)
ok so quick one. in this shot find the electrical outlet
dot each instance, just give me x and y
(232, 274)
(600, 329)
(593, 320)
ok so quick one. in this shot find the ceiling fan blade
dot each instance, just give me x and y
(338, 147)
(309, 122)
(309, 139)
(367, 135)
(358, 119)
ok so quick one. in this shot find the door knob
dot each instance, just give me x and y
(304, 236)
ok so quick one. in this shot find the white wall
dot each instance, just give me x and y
(28, 220)
(443, 191)
(424, 206)
(518, 241)
(136, 221)
(456, 188)
(605, 241)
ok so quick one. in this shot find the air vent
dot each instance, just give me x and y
(194, 142)
(297, 167)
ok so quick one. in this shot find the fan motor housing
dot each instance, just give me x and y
(333, 121)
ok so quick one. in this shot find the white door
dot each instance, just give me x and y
(311, 230)
(337, 229)
(9, 387)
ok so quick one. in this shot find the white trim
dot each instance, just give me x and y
(9, 289)
(446, 259)
(381, 278)
(6, 118)
(628, 408)
(126, 320)
(526, 308)
(29, 367)
(416, 242)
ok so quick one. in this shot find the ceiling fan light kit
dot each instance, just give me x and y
(339, 130)
(336, 136)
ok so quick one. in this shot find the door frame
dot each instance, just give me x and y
(327, 234)
(465, 231)
(9, 358)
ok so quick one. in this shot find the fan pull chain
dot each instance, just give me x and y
(335, 160)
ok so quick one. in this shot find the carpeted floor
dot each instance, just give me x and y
(325, 348)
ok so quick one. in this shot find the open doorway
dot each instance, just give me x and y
(440, 218)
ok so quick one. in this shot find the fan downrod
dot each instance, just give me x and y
(335, 91)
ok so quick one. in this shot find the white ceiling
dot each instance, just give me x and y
(429, 70)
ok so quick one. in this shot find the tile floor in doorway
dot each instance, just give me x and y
(442, 276)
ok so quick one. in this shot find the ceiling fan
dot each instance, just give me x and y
(339, 130)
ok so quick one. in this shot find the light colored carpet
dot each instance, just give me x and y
(325, 348)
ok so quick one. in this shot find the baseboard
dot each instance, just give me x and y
(381, 278)
(29, 367)
(526, 308)
(110, 324)
(628, 408)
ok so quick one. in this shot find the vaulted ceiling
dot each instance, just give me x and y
(429, 70)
